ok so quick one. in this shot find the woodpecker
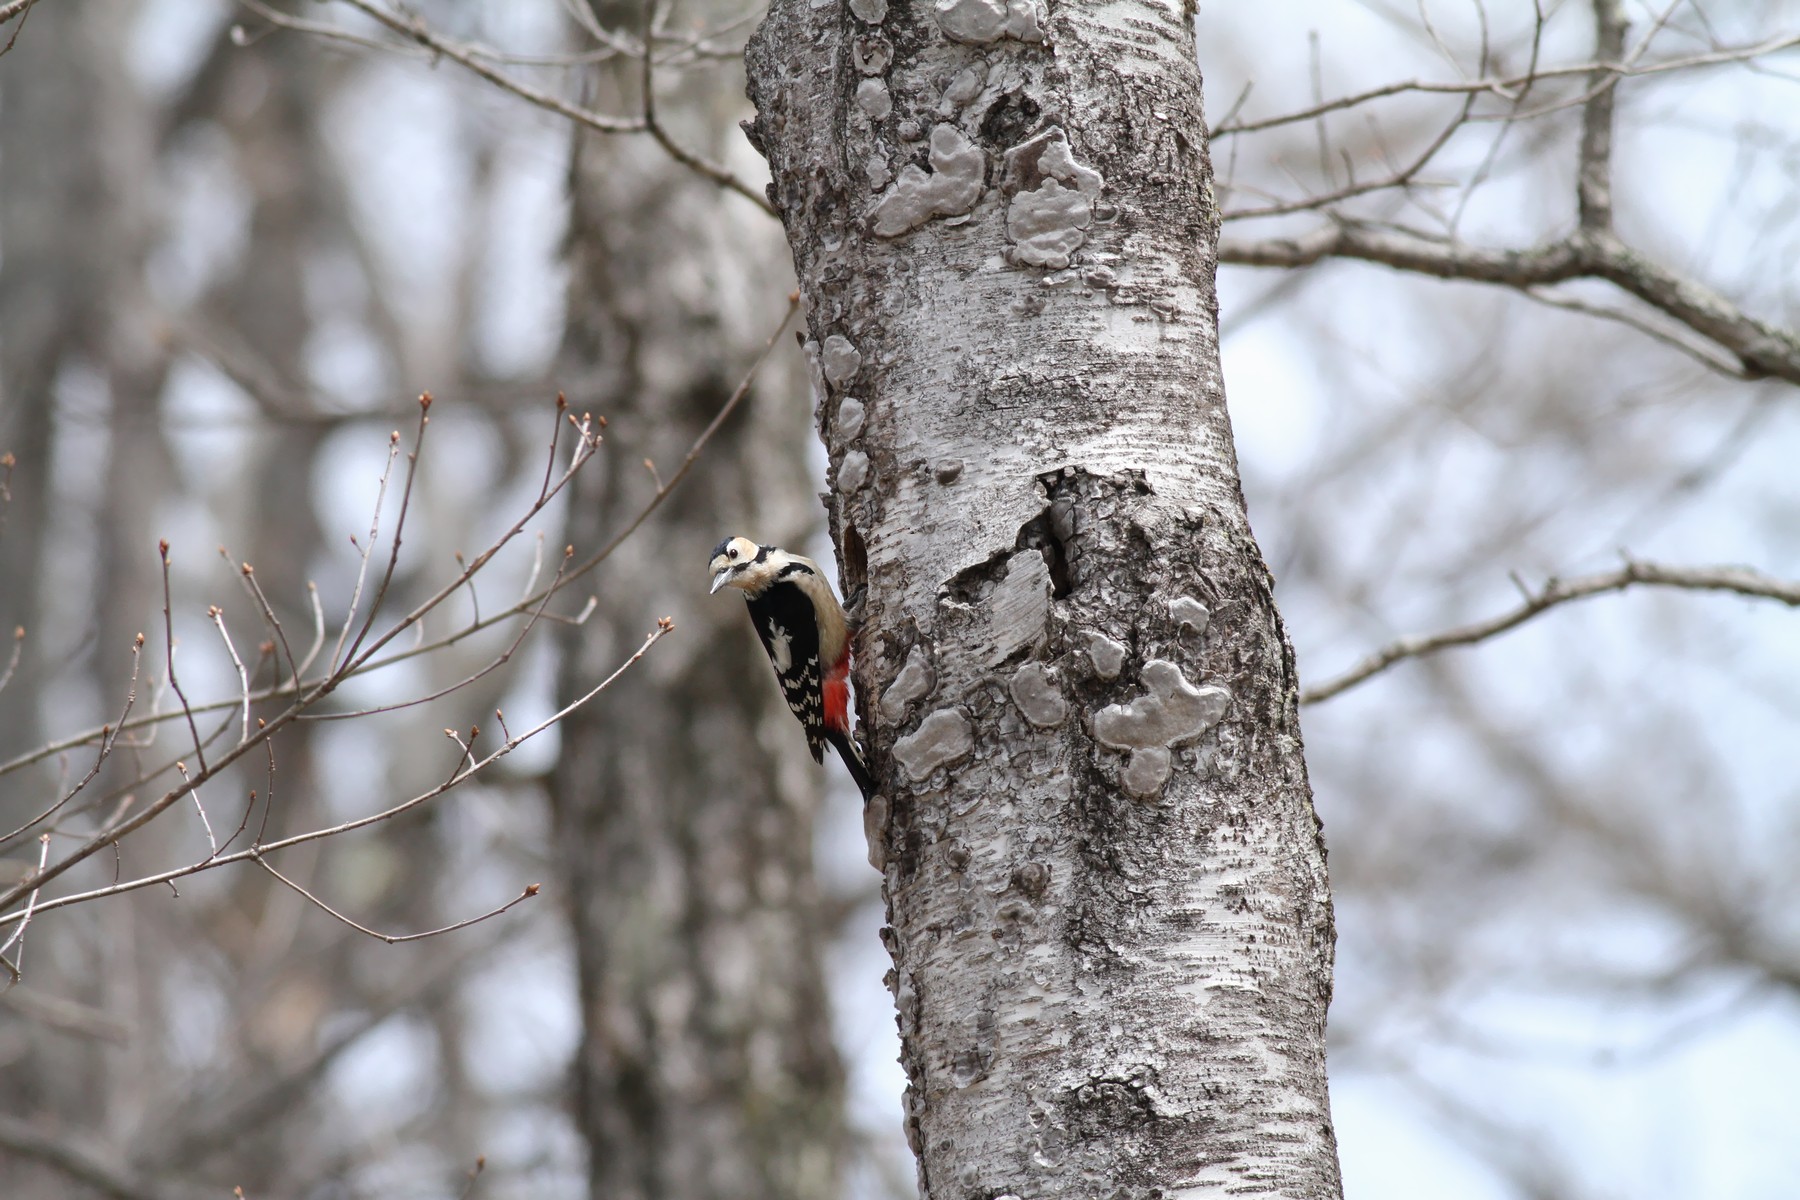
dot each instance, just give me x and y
(802, 626)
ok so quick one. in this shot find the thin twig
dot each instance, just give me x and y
(318, 611)
(687, 463)
(674, 150)
(474, 596)
(12, 662)
(556, 424)
(1741, 580)
(1507, 87)
(169, 657)
(17, 8)
(309, 692)
(474, 1175)
(1711, 361)
(537, 561)
(415, 29)
(393, 939)
(663, 629)
(492, 665)
(1400, 179)
(1762, 348)
(16, 967)
(247, 576)
(362, 571)
(212, 843)
(109, 735)
(218, 619)
(406, 491)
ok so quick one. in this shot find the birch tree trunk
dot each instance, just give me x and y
(1110, 922)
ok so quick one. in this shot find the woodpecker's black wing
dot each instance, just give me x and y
(789, 629)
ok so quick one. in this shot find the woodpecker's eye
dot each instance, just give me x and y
(731, 553)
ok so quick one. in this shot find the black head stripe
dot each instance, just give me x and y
(721, 548)
(794, 568)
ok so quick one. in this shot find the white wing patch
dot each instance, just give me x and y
(781, 648)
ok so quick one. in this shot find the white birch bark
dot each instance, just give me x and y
(1110, 922)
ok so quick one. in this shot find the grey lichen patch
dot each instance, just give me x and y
(1146, 772)
(873, 98)
(1053, 200)
(913, 683)
(1035, 692)
(853, 472)
(872, 55)
(942, 738)
(1107, 655)
(872, 11)
(963, 88)
(983, 22)
(840, 359)
(878, 171)
(850, 418)
(1170, 712)
(1048, 224)
(1190, 614)
(949, 190)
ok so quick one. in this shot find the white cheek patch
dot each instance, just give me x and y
(780, 648)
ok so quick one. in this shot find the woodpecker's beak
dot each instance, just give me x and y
(719, 578)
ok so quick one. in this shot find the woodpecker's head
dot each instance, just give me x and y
(740, 563)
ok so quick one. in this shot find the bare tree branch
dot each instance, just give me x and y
(19, 9)
(523, 606)
(301, 702)
(1741, 580)
(414, 29)
(392, 939)
(1593, 185)
(12, 662)
(674, 150)
(1764, 349)
(109, 735)
(478, 59)
(1509, 87)
(15, 965)
(459, 776)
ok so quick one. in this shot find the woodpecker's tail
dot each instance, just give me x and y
(847, 751)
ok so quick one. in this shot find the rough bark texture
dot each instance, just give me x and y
(1110, 921)
(686, 796)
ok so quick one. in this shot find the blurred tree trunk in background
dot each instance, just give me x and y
(82, 367)
(55, 221)
(1111, 929)
(685, 805)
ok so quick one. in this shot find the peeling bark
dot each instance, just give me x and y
(1110, 921)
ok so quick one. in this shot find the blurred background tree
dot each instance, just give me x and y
(229, 255)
